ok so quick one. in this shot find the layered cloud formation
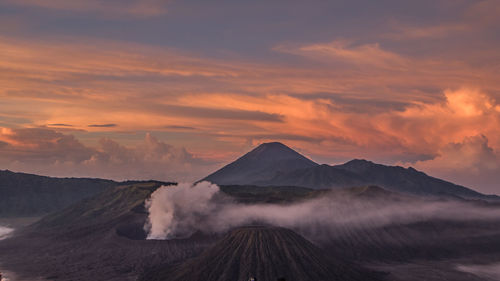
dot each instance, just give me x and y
(395, 85)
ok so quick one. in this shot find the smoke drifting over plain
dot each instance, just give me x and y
(489, 271)
(179, 211)
(5, 232)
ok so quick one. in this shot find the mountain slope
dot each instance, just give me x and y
(122, 205)
(407, 180)
(31, 195)
(265, 253)
(363, 172)
(262, 163)
(317, 177)
(274, 164)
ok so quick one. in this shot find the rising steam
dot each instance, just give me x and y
(176, 210)
(179, 211)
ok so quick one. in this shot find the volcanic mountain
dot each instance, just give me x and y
(265, 253)
(274, 164)
(265, 162)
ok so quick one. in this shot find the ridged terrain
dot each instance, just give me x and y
(275, 164)
(265, 253)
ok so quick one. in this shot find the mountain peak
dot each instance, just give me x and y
(359, 162)
(262, 163)
(273, 151)
(357, 165)
(273, 144)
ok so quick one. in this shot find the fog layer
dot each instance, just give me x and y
(179, 211)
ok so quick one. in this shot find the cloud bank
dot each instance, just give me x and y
(49, 152)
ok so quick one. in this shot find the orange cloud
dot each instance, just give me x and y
(465, 112)
(472, 162)
(344, 101)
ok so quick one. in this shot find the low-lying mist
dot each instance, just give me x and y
(179, 211)
(489, 271)
(5, 232)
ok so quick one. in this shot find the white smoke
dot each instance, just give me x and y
(5, 232)
(489, 271)
(174, 210)
(179, 211)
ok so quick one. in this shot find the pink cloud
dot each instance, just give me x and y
(471, 162)
(48, 152)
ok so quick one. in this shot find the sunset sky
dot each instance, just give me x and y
(173, 90)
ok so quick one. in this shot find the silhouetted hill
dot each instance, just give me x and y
(262, 163)
(31, 195)
(270, 194)
(265, 253)
(317, 177)
(274, 164)
(120, 207)
(363, 172)
(407, 180)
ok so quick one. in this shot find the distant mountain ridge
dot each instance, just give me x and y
(302, 172)
(24, 194)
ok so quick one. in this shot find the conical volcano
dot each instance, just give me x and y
(265, 253)
(262, 163)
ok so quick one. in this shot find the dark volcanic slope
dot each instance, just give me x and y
(96, 239)
(263, 163)
(31, 195)
(407, 180)
(275, 164)
(266, 253)
(318, 177)
(362, 172)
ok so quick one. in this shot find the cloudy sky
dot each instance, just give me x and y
(172, 89)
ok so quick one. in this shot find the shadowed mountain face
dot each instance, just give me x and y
(32, 195)
(362, 172)
(265, 253)
(274, 164)
(263, 163)
(407, 180)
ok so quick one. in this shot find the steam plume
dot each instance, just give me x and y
(179, 211)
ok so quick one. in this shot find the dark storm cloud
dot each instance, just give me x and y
(102, 125)
(60, 125)
(215, 113)
(177, 127)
